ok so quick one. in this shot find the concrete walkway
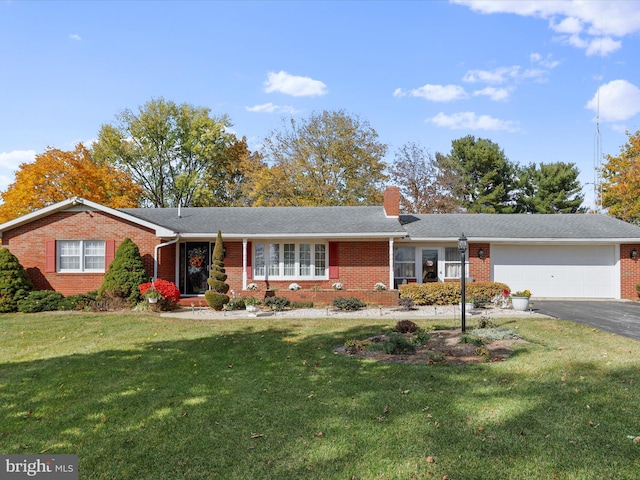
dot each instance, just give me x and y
(430, 312)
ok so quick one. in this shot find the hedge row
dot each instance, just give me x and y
(449, 293)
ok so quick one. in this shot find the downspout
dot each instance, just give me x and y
(155, 254)
(391, 271)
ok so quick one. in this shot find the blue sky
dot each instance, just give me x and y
(524, 74)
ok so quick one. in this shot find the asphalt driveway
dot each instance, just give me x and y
(622, 318)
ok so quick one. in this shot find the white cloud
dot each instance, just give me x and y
(434, 93)
(594, 19)
(75, 36)
(471, 121)
(514, 73)
(603, 46)
(15, 158)
(618, 100)
(497, 94)
(294, 85)
(271, 108)
(546, 62)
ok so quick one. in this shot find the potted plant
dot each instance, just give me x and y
(252, 304)
(520, 300)
(152, 295)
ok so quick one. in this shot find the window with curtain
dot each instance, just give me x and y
(80, 255)
(290, 261)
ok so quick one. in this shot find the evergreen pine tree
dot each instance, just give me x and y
(217, 297)
(125, 274)
(14, 281)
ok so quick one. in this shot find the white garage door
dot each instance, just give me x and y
(575, 271)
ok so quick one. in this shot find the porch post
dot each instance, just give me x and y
(244, 264)
(391, 275)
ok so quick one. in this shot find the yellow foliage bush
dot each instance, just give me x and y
(449, 293)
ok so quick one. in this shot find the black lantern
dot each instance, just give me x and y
(481, 254)
(462, 246)
(634, 254)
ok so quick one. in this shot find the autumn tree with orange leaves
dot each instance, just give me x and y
(56, 175)
(621, 181)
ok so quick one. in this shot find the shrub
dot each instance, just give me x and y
(276, 303)
(125, 274)
(406, 326)
(354, 346)
(405, 304)
(40, 301)
(397, 344)
(236, 303)
(348, 303)
(480, 301)
(420, 338)
(166, 292)
(301, 304)
(14, 281)
(217, 296)
(472, 339)
(81, 301)
(448, 293)
(485, 322)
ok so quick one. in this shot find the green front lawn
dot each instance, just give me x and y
(143, 397)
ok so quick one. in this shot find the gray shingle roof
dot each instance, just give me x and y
(514, 226)
(274, 221)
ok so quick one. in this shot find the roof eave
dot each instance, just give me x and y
(78, 202)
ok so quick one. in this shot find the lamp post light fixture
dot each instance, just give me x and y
(462, 246)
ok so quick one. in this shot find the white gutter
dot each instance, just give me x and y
(155, 254)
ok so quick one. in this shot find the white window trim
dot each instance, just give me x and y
(296, 276)
(83, 255)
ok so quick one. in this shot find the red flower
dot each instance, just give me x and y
(168, 290)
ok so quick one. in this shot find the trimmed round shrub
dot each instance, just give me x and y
(406, 326)
(40, 301)
(348, 303)
(14, 282)
(276, 303)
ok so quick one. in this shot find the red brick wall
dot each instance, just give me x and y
(480, 269)
(629, 271)
(361, 265)
(27, 243)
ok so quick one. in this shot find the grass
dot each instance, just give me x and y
(143, 397)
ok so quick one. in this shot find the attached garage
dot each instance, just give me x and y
(560, 271)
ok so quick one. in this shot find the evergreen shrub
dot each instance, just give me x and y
(125, 274)
(41, 301)
(276, 303)
(348, 303)
(217, 297)
(14, 282)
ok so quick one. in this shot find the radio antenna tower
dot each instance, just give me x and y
(597, 162)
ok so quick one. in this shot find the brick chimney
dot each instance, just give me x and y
(392, 201)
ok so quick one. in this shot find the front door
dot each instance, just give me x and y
(429, 266)
(196, 267)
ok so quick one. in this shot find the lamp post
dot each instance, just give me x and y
(462, 246)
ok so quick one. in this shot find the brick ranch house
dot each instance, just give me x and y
(68, 246)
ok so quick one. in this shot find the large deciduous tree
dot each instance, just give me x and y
(423, 187)
(56, 175)
(225, 182)
(166, 148)
(621, 181)
(330, 158)
(550, 188)
(486, 177)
